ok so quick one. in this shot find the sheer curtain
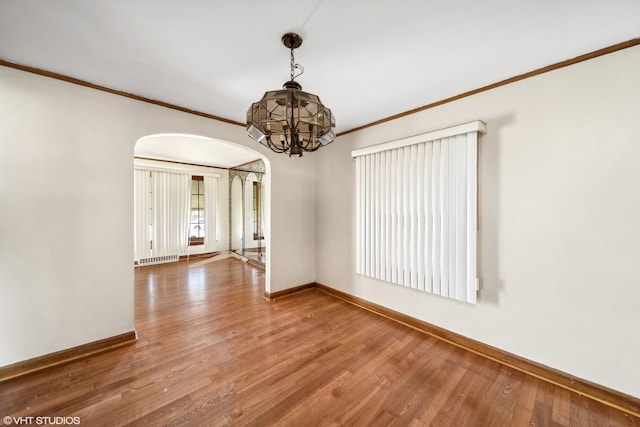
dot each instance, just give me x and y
(142, 214)
(416, 209)
(161, 213)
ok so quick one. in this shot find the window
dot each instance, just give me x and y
(197, 215)
(257, 211)
(174, 211)
(416, 208)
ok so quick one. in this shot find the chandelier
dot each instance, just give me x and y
(289, 120)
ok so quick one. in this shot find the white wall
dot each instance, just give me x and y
(559, 209)
(66, 210)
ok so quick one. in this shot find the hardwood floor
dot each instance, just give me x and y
(212, 351)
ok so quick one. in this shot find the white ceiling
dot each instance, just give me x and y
(366, 59)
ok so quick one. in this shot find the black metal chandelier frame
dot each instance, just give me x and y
(289, 120)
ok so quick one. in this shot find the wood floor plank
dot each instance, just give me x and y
(211, 351)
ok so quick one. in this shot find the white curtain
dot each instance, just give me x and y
(170, 213)
(416, 214)
(210, 212)
(142, 212)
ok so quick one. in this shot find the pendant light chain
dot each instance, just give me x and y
(293, 65)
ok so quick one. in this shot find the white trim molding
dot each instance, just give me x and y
(475, 126)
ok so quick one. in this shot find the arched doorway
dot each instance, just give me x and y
(211, 164)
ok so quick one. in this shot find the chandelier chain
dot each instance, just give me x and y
(295, 66)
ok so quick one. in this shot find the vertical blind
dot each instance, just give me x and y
(416, 209)
(161, 213)
(171, 204)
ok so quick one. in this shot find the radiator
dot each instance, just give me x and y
(158, 260)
